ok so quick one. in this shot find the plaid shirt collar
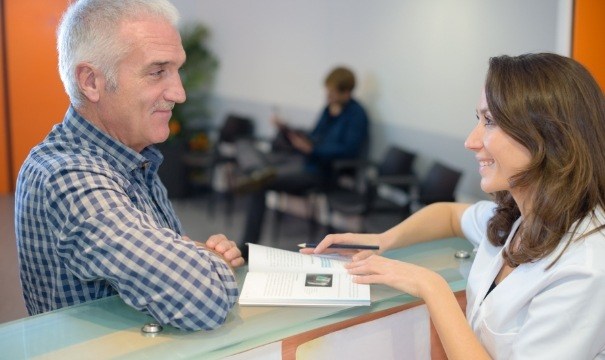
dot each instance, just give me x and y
(86, 132)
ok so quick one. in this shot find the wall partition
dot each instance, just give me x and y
(35, 99)
(420, 64)
(588, 32)
(4, 140)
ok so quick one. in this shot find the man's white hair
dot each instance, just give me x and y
(88, 32)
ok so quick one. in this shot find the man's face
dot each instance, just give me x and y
(335, 97)
(148, 84)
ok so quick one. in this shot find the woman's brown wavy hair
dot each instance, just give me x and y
(551, 105)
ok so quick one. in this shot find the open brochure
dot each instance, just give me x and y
(287, 278)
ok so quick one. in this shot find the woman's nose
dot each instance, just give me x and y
(474, 140)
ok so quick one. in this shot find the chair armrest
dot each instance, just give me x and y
(397, 180)
(352, 163)
(411, 181)
(263, 143)
(362, 171)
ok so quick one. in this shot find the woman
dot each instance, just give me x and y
(537, 285)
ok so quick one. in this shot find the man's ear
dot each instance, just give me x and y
(89, 81)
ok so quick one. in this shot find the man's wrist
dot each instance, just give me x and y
(202, 246)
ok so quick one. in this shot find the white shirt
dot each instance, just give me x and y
(535, 313)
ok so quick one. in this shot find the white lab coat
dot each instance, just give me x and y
(536, 313)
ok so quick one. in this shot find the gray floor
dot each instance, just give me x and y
(197, 220)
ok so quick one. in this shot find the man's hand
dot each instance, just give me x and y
(300, 142)
(220, 245)
(278, 122)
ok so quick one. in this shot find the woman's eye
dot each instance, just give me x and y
(489, 121)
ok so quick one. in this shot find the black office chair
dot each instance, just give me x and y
(395, 169)
(438, 185)
(344, 171)
(310, 197)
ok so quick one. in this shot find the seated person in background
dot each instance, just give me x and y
(92, 216)
(340, 133)
(537, 284)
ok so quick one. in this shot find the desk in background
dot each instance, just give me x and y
(108, 328)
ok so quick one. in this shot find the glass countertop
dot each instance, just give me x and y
(112, 329)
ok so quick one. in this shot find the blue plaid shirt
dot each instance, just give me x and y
(93, 219)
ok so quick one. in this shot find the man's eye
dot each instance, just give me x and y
(157, 73)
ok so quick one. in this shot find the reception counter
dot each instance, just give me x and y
(108, 328)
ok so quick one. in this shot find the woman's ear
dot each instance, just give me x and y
(89, 81)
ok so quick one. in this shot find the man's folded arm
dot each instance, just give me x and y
(153, 269)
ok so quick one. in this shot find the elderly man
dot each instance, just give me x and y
(92, 216)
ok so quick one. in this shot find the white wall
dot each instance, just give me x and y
(420, 63)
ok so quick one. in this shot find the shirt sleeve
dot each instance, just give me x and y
(101, 234)
(474, 221)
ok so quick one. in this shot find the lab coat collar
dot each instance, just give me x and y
(491, 272)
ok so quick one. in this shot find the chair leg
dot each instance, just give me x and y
(311, 205)
(329, 227)
(210, 203)
(277, 219)
(229, 203)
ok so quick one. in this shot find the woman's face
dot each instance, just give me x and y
(499, 156)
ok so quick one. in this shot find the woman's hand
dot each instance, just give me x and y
(409, 278)
(348, 238)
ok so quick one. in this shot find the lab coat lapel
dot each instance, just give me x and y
(490, 274)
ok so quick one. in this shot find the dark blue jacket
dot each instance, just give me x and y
(340, 137)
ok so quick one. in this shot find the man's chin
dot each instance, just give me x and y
(162, 138)
(163, 141)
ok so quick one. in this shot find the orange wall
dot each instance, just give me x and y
(36, 95)
(4, 173)
(588, 36)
